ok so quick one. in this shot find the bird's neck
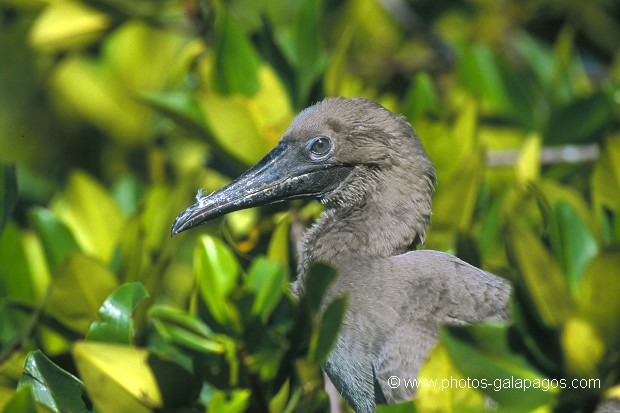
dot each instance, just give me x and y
(391, 220)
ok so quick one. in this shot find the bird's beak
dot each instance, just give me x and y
(284, 173)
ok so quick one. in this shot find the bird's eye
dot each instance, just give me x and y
(320, 146)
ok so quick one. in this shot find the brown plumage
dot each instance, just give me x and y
(369, 167)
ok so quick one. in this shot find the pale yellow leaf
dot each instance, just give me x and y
(117, 378)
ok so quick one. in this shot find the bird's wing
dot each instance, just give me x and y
(438, 289)
(450, 290)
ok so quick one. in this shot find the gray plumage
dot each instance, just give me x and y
(377, 183)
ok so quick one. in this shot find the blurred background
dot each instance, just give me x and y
(114, 113)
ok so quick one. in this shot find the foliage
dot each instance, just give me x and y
(115, 112)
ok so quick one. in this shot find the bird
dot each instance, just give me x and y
(368, 166)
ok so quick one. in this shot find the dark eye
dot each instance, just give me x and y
(320, 146)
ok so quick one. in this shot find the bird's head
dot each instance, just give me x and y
(333, 151)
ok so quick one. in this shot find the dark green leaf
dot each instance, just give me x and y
(8, 192)
(267, 280)
(521, 105)
(178, 386)
(540, 341)
(57, 239)
(15, 274)
(537, 56)
(328, 330)
(236, 62)
(318, 279)
(573, 243)
(184, 329)
(52, 386)
(482, 352)
(22, 402)
(116, 313)
(579, 121)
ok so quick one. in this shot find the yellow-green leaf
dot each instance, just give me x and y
(78, 290)
(583, 348)
(91, 213)
(542, 278)
(599, 296)
(528, 166)
(66, 24)
(278, 249)
(117, 378)
(442, 388)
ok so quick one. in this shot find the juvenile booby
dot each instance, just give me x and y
(369, 168)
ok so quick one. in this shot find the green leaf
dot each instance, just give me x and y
(117, 378)
(480, 71)
(329, 328)
(127, 192)
(52, 386)
(267, 280)
(405, 407)
(579, 121)
(422, 96)
(483, 352)
(23, 401)
(278, 249)
(605, 181)
(218, 276)
(56, 237)
(8, 192)
(337, 71)
(464, 185)
(537, 56)
(16, 280)
(235, 401)
(572, 243)
(236, 62)
(544, 281)
(181, 107)
(116, 314)
(178, 386)
(78, 289)
(90, 212)
(318, 279)
(305, 51)
(183, 329)
(600, 290)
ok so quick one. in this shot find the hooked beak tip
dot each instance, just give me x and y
(182, 222)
